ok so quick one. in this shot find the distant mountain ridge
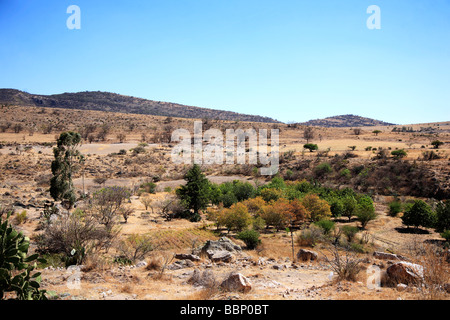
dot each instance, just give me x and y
(348, 120)
(107, 101)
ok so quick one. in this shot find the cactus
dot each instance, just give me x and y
(13, 258)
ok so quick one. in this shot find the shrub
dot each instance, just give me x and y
(349, 204)
(310, 236)
(395, 207)
(345, 173)
(148, 187)
(350, 232)
(311, 147)
(446, 235)
(326, 225)
(135, 247)
(271, 194)
(336, 207)
(250, 238)
(323, 169)
(21, 217)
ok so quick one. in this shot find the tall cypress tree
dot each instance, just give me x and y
(66, 154)
(195, 194)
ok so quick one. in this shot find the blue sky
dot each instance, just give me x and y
(291, 60)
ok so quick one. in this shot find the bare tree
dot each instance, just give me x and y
(308, 134)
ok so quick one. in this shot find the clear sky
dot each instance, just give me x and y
(291, 60)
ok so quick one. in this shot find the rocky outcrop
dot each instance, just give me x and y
(222, 250)
(388, 256)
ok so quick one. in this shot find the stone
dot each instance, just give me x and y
(141, 264)
(405, 272)
(387, 256)
(183, 256)
(220, 256)
(236, 282)
(307, 255)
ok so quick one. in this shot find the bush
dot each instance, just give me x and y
(250, 238)
(21, 217)
(311, 147)
(311, 236)
(395, 207)
(336, 207)
(236, 217)
(148, 187)
(323, 169)
(135, 247)
(436, 144)
(446, 235)
(350, 232)
(326, 225)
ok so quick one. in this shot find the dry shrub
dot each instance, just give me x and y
(347, 266)
(208, 282)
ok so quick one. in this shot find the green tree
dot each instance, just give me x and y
(443, 216)
(63, 167)
(419, 214)
(365, 211)
(195, 195)
(399, 153)
(436, 144)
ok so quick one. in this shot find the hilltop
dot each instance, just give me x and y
(348, 120)
(112, 102)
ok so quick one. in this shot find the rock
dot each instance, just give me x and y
(192, 257)
(401, 286)
(387, 256)
(141, 264)
(405, 272)
(205, 279)
(236, 282)
(181, 264)
(223, 244)
(220, 256)
(306, 255)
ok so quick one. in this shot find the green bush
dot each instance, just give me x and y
(250, 238)
(399, 153)
(323, 169)
(350, 232)
(419, 214)
(326, 225)
(443, 216)
(311, 147)
(395, 207)
(148, 187)
(446, 235)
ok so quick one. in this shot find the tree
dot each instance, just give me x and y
(349, 204)
(61, 184)
(419, 214)
(443, 216)
(376, 132)
(236, 217)
(195, 195)
(318, 209)
(398, 154)
(365, 211)
(357, 131)
(108, 203)
(311, 147)
(250, 238)
(436, 144)
(308, 134)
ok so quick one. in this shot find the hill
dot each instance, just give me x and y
(348, 120)
(106, 101)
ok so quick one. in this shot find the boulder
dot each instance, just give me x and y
(181, 264)
(236, 282)
(405, 272)
(220, 256)
(183, 256)
(306, 255)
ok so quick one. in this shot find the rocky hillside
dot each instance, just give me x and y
(348, 120)
(106, 101)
